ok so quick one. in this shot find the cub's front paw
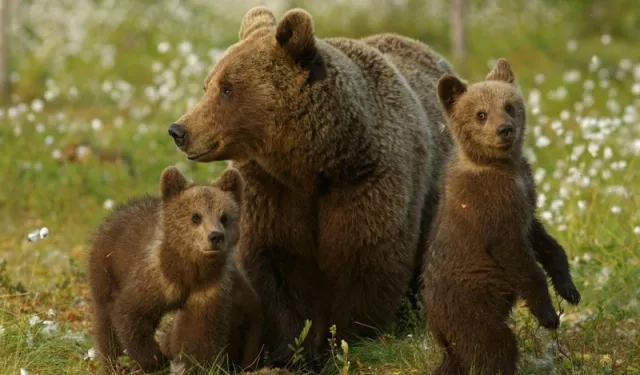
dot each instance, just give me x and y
(569, 292)
(547, 317)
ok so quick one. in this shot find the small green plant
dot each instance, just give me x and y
(342, 363)
(6, 282)
(297, 360)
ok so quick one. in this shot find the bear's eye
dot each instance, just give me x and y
(509, 108)
(196, 219)
(224, 219)
(481, 116)
(226, 90)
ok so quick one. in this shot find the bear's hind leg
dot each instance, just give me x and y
(105, 338)
(449, 366)
(492, 350)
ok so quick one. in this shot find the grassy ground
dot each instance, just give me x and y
(94, 89)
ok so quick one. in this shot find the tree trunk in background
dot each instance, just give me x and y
(4, 28)
(458, 31)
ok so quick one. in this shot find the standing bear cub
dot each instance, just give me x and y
(481, 256)
(157, 254)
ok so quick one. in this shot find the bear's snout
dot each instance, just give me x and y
(217, 239)
(179, 134)
(505, 131)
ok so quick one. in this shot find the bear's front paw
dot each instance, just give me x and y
(569, 292)
(547, 317)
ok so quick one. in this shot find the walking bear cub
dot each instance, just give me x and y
(481, 256)
(157, 254)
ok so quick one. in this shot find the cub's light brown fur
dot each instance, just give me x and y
(340, 143)
(481, 256)
(152, 254)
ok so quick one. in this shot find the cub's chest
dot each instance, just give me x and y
(490, 198)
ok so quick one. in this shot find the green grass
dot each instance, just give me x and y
(598, 221)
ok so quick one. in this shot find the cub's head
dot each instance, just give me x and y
(202, 219)
(487, 118)
(249, 93)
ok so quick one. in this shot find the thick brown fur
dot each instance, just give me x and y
(340, 143)
(481, 256)
(186, 339)
(152, 255)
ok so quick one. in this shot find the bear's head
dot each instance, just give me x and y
(249, 93)
(487, 118)
(201, 219)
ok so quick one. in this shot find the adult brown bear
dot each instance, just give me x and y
(340, 143)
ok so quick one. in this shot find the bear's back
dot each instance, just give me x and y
(121, 241)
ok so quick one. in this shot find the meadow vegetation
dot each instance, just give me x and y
(96, 83)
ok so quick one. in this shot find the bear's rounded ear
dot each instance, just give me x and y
(257, 18)
(231, 181)
(172, 182)
(450, 88)
(295, 34)
(501, 72)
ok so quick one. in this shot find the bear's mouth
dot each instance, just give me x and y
(199, 155)
(210, 252)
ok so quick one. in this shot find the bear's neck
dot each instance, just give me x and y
(190, 273)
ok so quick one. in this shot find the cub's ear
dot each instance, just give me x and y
(295, 34)
(501, 72)
(257, 18)
(450, 88)
(231, 181)
(172, 182)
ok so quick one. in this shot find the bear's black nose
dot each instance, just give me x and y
(216, 238)
(505, 130)
(179, 133)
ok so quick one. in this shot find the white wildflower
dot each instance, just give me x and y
(616, 210)
(636, 230)
(594, 64)
(56, 154)
(587, 257)
(108, 204)
(572, 45)
(605, 39)
(91, 354)
(163, 47)
(24, 372)
(184, 47)
(34, 319)
(37, 105)
(96, 124)
(543, 141)
(626, 64)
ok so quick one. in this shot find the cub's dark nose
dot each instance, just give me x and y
(216, 238)
(179, 134)
(505, 131)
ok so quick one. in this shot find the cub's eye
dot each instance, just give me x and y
(226, 90)
(481, 116)
(224, 219)
(509, 108)
(196, 219)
